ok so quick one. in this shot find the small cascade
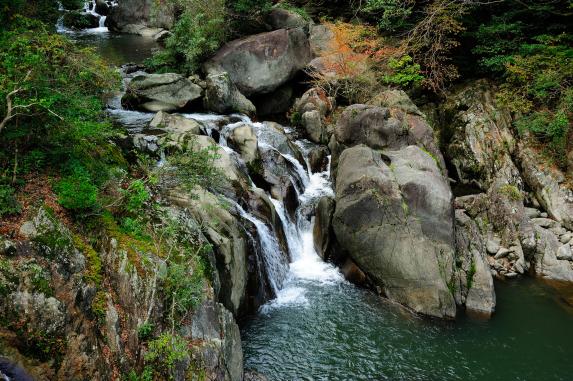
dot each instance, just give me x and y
(276, 264)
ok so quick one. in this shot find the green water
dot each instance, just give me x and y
(118, 49)
(344, 333)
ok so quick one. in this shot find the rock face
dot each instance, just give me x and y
(394, 218)
(160, 92)
(222, 96)
(263, 62)
(480, 140)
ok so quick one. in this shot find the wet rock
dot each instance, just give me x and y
(251, 375)
(322, 232)
(544, 222)
(318, 159)
(398, 202)
(163, 123)
(244, 140)
(221, 351)
(261, 63)
(352, 273)
(222, 96)
(160, 92)
(101, 7)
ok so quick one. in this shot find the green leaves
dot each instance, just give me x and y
(77, 191)
(405, 72)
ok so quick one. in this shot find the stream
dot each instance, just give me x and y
(320, 327)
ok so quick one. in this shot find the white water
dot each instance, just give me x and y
(89, 7)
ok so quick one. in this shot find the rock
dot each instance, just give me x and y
(221, 351)
(277, 102)
(532, 212)
(379, 128)
(511, 275)
(564, 253)
(544, 215)
(543, 222)
(80, 20)
(160, 92)
(321, 40)
(474, 286)
(11, 371)
(492, 246)
(548, 185)
(101, 7)
(143, 12)
(261, 63)
(322, 230)
(312, 122)
(244, 140)
(273, 134)
(545, 261)
(163, 122)
(222, 96)
(397, 202)
(7, 247)
(502, 253)
(318, 159)
(251, 375)
(352, 273)
(279, 18)
(566, 238)
(397, 99)
(162, 36)
(481, 144)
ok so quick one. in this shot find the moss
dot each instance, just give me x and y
(39, 345)
(93, 273)
(511, 192)
(39, 278)
(99, 306)
(470, 274)
(9, 280)
(296, 118)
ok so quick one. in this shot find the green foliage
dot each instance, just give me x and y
(8, 202)
(404, 72)
(136, 196)
(43, 10)
(58, 90)
(198, 33)
(184, 284)
(39, 278)
(392, 14)
(99, 306)
(146, 375)
(9, 279)
(72, 4)
(293, 8)
(145, 331)
(511, 192)
(470, 274)
(77, 191)
(251, 6)
(164, 352)
(134, 227)
(195, 166)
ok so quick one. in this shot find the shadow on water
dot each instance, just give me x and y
(344, 333)
(118, 49)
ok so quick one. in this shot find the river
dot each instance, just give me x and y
(320, 327)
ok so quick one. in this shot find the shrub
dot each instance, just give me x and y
(164, 352)
(136, 196)
(404, 72)
(184, 285)
(77, 191)
(145, 330)
(8, 202)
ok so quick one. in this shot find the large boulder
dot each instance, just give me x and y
(223, 97)
(321, 39)
(146, 13)
(160, 92)
(263, 62)
(394, 217)
(312, 108)
(80, 20)
(101, 7)
(244, 139)
(383, 128)
(546, 262)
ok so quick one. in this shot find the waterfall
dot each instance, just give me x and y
(275, 262)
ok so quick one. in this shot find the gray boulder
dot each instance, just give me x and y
(279, 18)
(394, 217)
(244, 140)
(222, 96)
(546, 262)
(160, 92)
(261, 63)
(321, 40)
